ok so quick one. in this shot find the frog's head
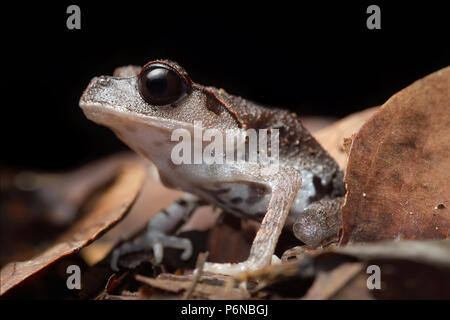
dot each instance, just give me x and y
(144, 106)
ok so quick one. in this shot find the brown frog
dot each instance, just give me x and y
(147, 107)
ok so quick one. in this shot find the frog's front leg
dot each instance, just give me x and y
(285, 185)
(157, 236)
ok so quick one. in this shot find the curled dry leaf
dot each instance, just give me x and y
(64, 196)
(433, 252)
(36, 207)
(399, 167)
(110, 208)
(152, 198)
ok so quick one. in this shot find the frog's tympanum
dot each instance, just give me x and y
(302, 192)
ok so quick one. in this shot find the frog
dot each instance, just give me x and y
(302, 193)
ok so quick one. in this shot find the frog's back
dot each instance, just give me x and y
(321, 176)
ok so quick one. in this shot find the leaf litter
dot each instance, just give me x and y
(395, 216)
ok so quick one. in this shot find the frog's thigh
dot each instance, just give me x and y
(320, 221)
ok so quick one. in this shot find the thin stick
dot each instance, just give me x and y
(197, 273)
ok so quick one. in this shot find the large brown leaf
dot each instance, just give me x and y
(398, 170)
(110, 208)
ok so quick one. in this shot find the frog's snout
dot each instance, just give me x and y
(108, 91)
(94, 91)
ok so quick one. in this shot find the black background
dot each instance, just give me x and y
(316, 59)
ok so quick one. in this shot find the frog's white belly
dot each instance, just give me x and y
(239, 197)
(251, 200)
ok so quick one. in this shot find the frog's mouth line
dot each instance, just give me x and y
(96, 105)
(110, 116)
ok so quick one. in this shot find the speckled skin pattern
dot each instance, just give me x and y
(306, 173)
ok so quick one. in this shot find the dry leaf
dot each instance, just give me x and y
(332, 138)
(109, 209)
(202, 290)
(328, 284)
(409, 269)
(433, 252)
(152, 198)
(399, 167)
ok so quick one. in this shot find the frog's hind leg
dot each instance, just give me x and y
(319, 224)
(285, 185)
(157, 236)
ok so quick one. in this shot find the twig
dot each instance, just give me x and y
(197, 273)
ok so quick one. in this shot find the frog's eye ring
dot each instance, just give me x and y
(160, 84)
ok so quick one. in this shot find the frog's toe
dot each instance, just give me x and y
(187, 246)
(114, 260)
(158, 252)
(155, 240)
(125, 248)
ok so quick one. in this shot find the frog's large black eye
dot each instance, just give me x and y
(160, 84)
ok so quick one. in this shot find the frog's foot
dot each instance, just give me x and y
(155, 240)
(156, 236)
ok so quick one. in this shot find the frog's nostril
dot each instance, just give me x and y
(94, 90)
(102, 81)
(98, 85)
